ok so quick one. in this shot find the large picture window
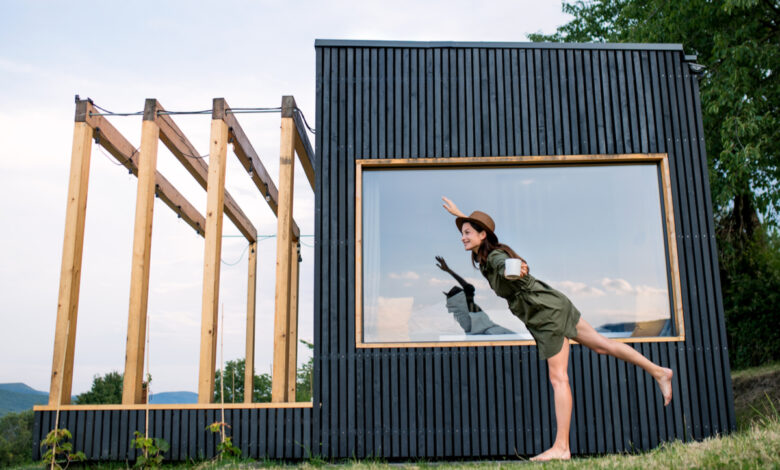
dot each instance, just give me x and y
(600, 229)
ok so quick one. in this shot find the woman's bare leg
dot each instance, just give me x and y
(559, 378)
(588, 336)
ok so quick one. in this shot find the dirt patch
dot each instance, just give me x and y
(750, 396)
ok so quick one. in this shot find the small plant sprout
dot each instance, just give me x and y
(151, 448)
(60, 452)
(225, 446)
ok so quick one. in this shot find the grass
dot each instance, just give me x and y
(756, 444)
(755, 390)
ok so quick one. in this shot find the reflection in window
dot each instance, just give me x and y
(594, 232)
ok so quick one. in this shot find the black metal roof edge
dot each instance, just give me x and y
(499, 45)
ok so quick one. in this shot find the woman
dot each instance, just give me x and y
(460, 303)
(549, 316)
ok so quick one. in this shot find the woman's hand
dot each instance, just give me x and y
(523, 269)
(441, 264)
(452, 208)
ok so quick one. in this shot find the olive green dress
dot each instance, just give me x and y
(548, 314)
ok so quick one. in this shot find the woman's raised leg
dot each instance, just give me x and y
(559, 378)
(588, 336)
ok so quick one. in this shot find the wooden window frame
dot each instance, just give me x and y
(673, 270)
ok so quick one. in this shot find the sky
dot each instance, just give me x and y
(183, 53)
(595, 233)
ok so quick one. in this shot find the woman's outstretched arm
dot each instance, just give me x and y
(452, 208)
(467, 288)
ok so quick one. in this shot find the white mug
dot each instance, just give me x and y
(512, 268)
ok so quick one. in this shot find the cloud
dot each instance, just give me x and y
(408, 275)
(437, 281)
(575, 288)
(621, 286)
(479, 283)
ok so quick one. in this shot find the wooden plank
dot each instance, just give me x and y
(251, 291)
(181, 148)
(132, 388)
(126, 154)
(341, 257)
(283, 248)
(211, 260)
(292, 343)
(514, 160)
(70, 273)
(555, 115)
(251, 162)
(353, 126)
(304, 149)
(301, 140)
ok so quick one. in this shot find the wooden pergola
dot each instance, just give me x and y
(158, 125)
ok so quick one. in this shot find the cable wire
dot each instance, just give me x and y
(305, 122)
(111, 113)
(240, 257)
(276, 109)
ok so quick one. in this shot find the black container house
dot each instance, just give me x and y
(402, 101)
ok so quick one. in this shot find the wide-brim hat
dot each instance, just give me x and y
(481, 219)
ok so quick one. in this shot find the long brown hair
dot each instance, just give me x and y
(489, 244)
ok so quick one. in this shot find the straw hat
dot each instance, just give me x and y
(481, 219)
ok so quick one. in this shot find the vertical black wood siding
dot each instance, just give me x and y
(409, 100)
(282, 433)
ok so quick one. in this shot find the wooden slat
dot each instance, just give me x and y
(251, 291)
(211, 260)
(292, 343)
(303, 148)
(282, 296)
(126, 154)
(250, 160)
(181, 148)
(70, 273)
(142, 247)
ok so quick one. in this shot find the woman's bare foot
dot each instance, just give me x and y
(553, 453)
(664, 380)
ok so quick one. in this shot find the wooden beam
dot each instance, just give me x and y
(249, 362)
(132, 390)
(283, 255)
(302, 145)
(70, 271)
(179, 406)
(292, 342)
(181, 148)
(251, 162)
(211, 262)
(125, 153)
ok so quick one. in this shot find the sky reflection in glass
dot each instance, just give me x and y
(594, 232)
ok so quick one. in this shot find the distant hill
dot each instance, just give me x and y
(18, 387)
(15, 397)
(173, 398)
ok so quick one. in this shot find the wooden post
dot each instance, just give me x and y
(279, 387)
(292, 351)
(213, 251)
(132, 389)
(249, 363)
(70, 273)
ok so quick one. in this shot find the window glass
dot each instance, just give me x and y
(593, 232)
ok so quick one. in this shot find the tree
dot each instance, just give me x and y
(303, 388)
(739, 43)
(106, 389)
(16, 438)
(234, 382)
